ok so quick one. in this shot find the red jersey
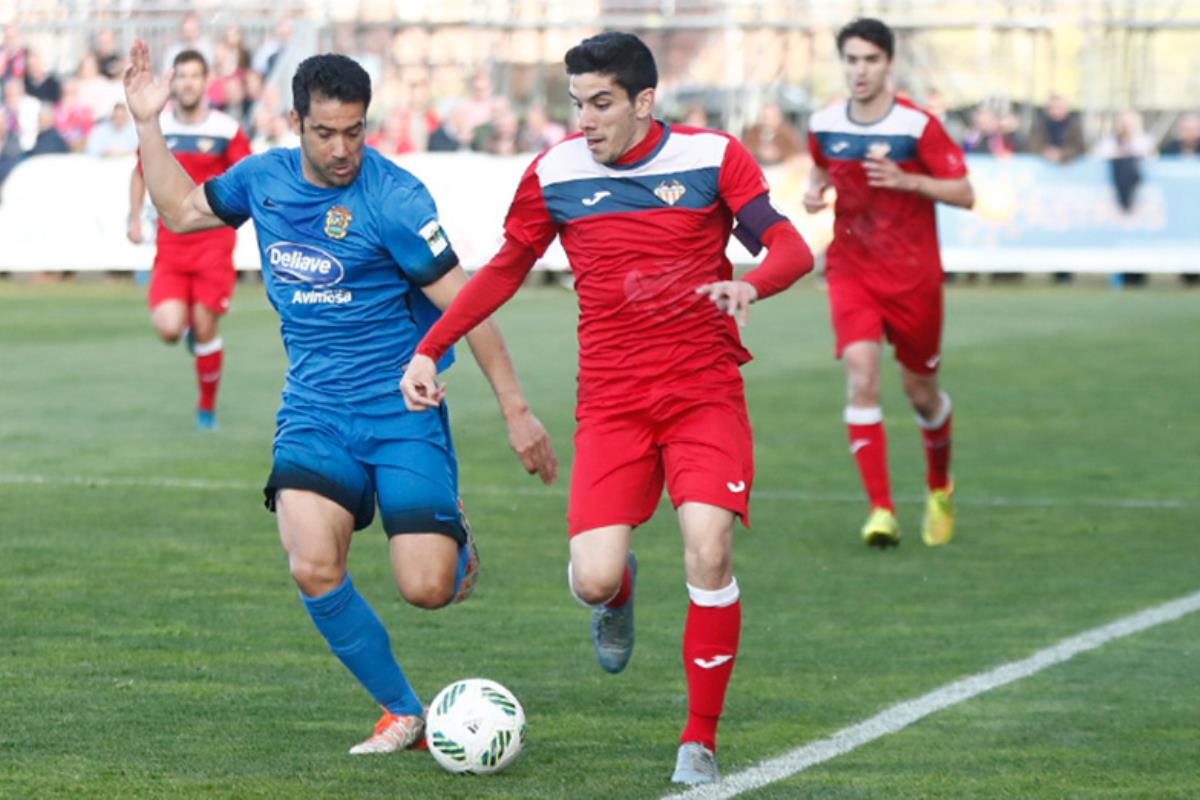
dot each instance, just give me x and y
(204, 149)
(885, 238)
(640, 236)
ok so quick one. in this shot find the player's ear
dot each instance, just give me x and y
(297, 122)
(643, 104)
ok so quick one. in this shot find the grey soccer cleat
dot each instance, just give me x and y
(612, 629)
(694, 764)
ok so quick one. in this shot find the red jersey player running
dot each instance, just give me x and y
(644, 211)
(193, 275)
(889, 162)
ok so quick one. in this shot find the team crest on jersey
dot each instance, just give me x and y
(337, 222)
(204, 144)
(670, 191)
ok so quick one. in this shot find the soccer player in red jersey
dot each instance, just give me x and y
(193, 276)
(644, 211)
(889, 162)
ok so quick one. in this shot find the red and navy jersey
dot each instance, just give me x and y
(204, 149)
(883, 237)
(640, 237)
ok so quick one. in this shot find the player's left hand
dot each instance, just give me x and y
(531, 443)
(883, 173)
(732, 297)
(419, 385)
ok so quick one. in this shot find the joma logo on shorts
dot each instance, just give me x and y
(301, 263)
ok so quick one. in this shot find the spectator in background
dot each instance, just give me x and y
(392, 137)
(233, 42)
(1124, 148)
(108, 58)
(986, 137)
(695, 116)
(453, 134)
(482, 134)
(10, 148)
(72, 117)
(1186, 141)
(114, 136)
(49, 140)
(1057, 133)
(272, 130)
(22, 112)
(267, 54)
(190, 38)
(40, 83)
(539, 132)
(772, 140)
(502, 133)
(96, 91)
(480, 105)
(12, 53)
(1057, 136)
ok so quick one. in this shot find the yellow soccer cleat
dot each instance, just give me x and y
(881, 530)
(938, 526)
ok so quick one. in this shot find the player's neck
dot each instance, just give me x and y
(647, 142)
(197, 114)
(871, 111)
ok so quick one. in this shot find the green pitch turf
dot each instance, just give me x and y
(152, 644)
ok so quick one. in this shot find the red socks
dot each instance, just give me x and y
(936, 434)
(624, 592)
(208, 372)
(710, 643)
(868, 445)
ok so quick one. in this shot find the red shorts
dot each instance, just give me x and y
(700, 445)
(911, 320)
(209, 284)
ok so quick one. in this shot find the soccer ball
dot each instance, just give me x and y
(475, 725)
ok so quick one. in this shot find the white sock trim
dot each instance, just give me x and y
(939, 419)
(854, 415)
(715, 598)
(208, 348)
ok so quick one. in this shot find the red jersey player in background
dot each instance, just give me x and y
(889, 162)
(644, 211)
(193, 276)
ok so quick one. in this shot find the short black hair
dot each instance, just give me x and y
(332, 76)
(872, 30)
(184, 56)
(622, 55)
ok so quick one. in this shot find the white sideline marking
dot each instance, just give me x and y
(904, 714)
(539, 491)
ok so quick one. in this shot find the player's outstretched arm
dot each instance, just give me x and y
(526, 435)
(181, 204)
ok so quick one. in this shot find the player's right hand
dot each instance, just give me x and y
(419, 385)
(134, 232)
(145, 96)
(814, 198)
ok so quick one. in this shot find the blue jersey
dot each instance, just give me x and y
(342, 266)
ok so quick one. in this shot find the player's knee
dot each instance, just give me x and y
(315, 577)
(168, 331)
(426, 591)
(708, 556)
(594, 586)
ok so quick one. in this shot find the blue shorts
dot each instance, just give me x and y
(375, 451)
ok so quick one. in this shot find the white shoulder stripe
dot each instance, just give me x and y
(216, 124)
(572, 161)
(900, 121)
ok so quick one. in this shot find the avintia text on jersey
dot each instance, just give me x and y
(291, 262)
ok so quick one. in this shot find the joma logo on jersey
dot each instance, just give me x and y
(337, 222)
(301, 263)
(670, 191)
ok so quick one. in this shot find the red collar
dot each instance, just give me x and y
(642, 148)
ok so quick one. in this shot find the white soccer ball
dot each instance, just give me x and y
(475, 725)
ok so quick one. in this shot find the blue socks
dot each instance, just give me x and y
(357, 637)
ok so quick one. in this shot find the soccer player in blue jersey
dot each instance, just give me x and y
(347, 238)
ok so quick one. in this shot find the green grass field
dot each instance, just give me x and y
(152, 644)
